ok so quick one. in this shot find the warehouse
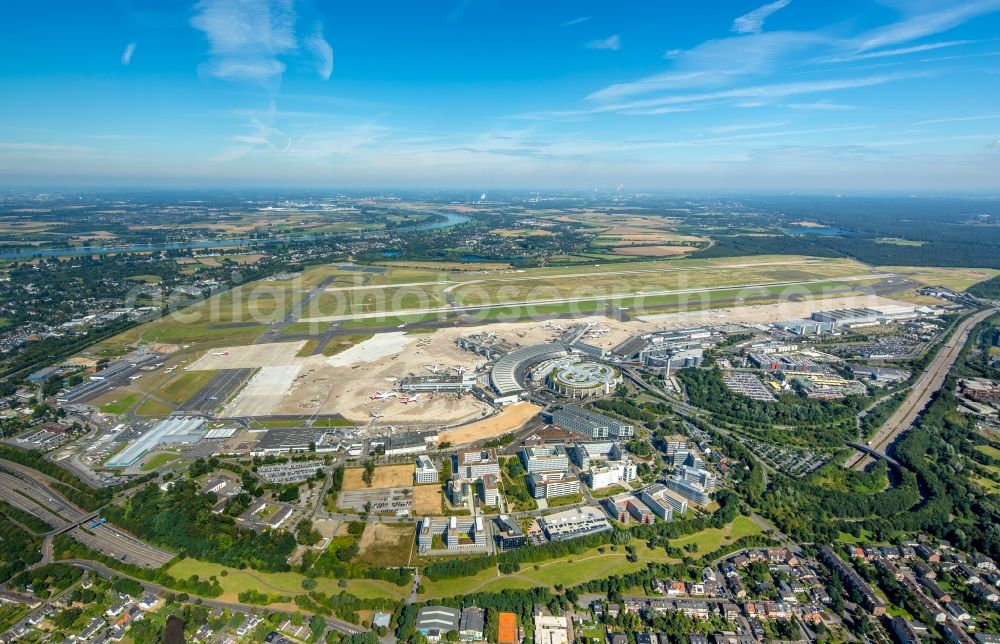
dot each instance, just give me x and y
(287, 439)
(176, 430)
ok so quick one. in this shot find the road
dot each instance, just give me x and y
(923, 390)
(27, 490)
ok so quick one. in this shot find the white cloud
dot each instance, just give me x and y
(127, 54)
(758, 92)
(820, 105)
(900, 51)
(322, 52)
(753, 22)
(576, 21)
(718, 62)
(614, 43)
(946, 15)
(246, 37)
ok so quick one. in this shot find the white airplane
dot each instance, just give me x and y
(382, 395)
(376, 414)
(135, 377)
(221, 353)
(411, 399)
(433, 368)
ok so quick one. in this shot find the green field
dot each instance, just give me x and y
(121, 405)
(283, 583)
(153, 407)
(183, 387)
(593, 564)
(713, 538)
(158, 460)
(567, 571)
(990, 451)
(343, 342)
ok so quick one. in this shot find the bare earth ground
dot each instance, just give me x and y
(385, 544)
(511, 418)
(427, 500)
(386, 476)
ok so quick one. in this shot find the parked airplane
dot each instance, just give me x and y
(411, 399)
(382, 395)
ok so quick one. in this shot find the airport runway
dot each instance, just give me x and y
(477, 308)
(223, 385)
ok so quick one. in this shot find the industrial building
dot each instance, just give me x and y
(848, 318)
(879, 375)
(592, 424)
(667, 350)
(805, 327)
(405, 443)
(176, 430)
(575, 523)
(286, 439)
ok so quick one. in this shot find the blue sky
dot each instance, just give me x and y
(671, 95)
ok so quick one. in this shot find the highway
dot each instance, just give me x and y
(929, 383)
(26, 490)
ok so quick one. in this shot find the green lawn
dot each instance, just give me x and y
(185, 386)
(714, 538)
(153, 407)
(567, 571)
(121, 405)
(283, 583)
(158, 460)
(990, 451)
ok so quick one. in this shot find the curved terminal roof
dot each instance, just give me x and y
(503, 377)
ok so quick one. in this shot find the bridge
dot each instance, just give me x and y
(874, 452)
